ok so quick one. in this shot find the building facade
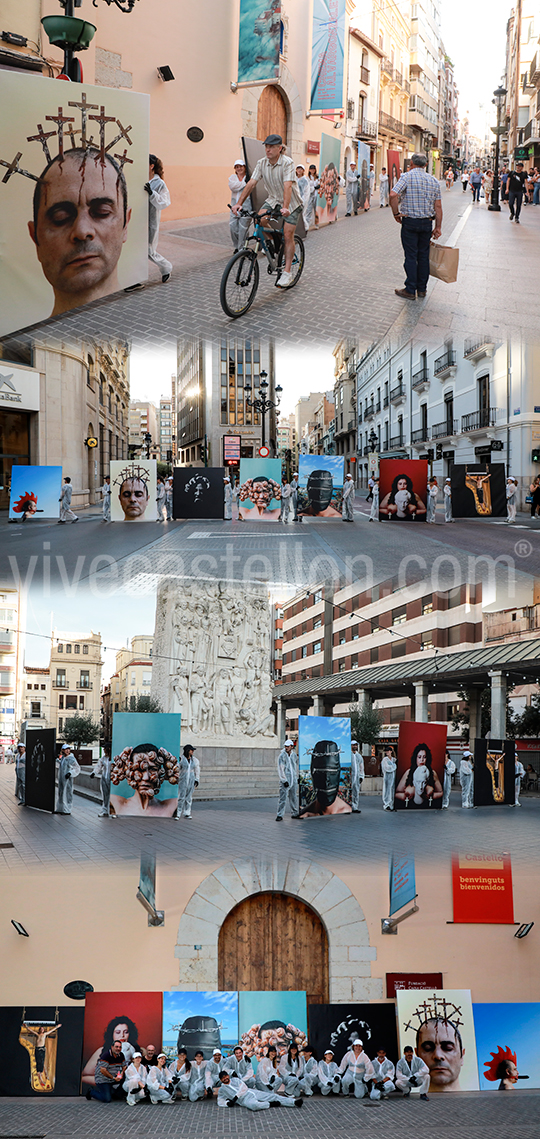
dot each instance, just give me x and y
(12, 609)
(75, 678)
(345, 354)
(143, 421)
(166, 429)
(522, 83)
(133, 674)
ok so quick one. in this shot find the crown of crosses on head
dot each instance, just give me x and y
(435, 1008)
(65, 130)
(133, 471)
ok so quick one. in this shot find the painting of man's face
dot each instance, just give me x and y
(133, 499)
(79, 227)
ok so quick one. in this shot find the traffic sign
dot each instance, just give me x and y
(264, 452)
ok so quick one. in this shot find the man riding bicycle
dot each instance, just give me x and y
(279, 176)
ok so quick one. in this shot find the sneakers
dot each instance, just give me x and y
(279, 818)
(165, 277)
(403, 293)
(424, 1097)
(284, 281)
(298, 1103)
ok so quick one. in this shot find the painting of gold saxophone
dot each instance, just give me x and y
(495, 766)
(40, 1040)
(479, 485)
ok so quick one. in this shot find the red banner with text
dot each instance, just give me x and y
(482, 888)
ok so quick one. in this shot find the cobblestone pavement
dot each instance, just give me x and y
(63, 842)
(480, 1115)
(347, 288)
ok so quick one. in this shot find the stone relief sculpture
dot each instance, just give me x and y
(212, 660)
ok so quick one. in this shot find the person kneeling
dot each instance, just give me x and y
(136, 1076)
(329, 1077)
(232, 1090)
(109, 1074)
(411, 1072)
(160, 1083)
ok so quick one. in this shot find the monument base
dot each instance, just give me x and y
(230, 772)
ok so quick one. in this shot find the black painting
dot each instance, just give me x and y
(198, 492)
(336, 1026)
(40, 768)
(50, 1067)
(494, 772)
(478, 490)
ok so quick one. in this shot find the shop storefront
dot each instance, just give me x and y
(19, 402)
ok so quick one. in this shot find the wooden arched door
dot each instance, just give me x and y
(271, 114)
(273, 942)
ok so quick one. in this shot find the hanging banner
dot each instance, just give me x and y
(324, 760)
(40, 768)
(482, 888)
(70, 154)
(494, 773)
(402, 881)
(259, 41)
(327, 55)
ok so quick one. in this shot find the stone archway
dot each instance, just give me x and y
(295, 114)
(349, 952)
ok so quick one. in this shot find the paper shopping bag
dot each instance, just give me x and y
(443, 262)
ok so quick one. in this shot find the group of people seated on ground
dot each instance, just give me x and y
(282, 1078)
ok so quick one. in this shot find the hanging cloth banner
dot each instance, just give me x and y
(259, 41)
(402, 881)
(327, 55)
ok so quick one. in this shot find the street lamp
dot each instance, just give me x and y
(148, 443)
(261, 403)
(498, 100)
(73, 34)
(373, 440)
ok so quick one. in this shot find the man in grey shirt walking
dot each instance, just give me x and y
(415, 201)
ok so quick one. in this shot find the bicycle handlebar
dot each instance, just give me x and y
(274, 213)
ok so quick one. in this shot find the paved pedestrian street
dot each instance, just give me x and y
(347, 288)
(471, 1115)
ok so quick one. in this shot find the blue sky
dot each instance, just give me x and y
(332, 463)
(513, 1026)
(258, 1008)
(315, 728)
(44, 482)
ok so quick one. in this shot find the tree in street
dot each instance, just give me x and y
(80, 731)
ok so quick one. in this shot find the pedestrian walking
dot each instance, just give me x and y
(516, 188)
(511, 502)
(447, 495)
(310, 210)
(374, 512)
(449, 771)
(536, 187)
(464, 180)
(102, 771)
(351, 189)
(158, 199)
(287, 765)
(285, 500)
(106, 498)
(384, 189)
(357, 776)
(475, 182)
(504, 185)
(227, 499)
(433, 491)
(415, 201)
(449, 178)
(487, 184)
(189, 779)
(534, 490)
(388, 769)
(161, 501)
(519, 775)
(20, 773)
(169, 497)
(238, 226)
(371, 484)
(347, 502)
(66, 513)
(294, 496)
(466, 768)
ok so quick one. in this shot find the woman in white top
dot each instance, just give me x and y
(268, 1077)
(159, 1082)
(135, 1078)
(238, 226)
(291, 1067)
(180, 1070)
(158, 200)
(433, 491)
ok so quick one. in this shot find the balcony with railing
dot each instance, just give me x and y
(475, 349)
(444, 364)
(479, 420)
(398, 394)
(420, 436)
(420, 379)
(445, 429)
(389, 123)
(369, 411)
(386, 65)
(399, 79)
(366, 129)
(84, 685)
(396, 442)
(364, 74)
(532, 131)
(378, 406)
(360, 415)
(385, 401)
(60, 683)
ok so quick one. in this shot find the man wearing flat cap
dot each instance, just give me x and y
(279, 176)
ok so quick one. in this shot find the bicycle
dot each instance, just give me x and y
(240, 279)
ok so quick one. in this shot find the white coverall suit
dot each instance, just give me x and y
(311, 1075)
(286, 495)
(196, 1080)
(20, 776)
(520, 774)
(267, 1078)
(384, 1076)
(213, 1072)
(106, 496)
(240, 1068)
(159, 1085)
(347, 502)
(388, 768)
(190, 774)
(288, 782)
(103, 769)
(384, 191)
(251, 1098)
(356, 1070)
(180, 1078)
(449, 769)
(132, 1078)
(412, 1076)
(227, 502)
(68, 768)
(293, 1076)
(238, 226)
(357, 777)
(374, 512)
(447, 495)
(65, 504)
(157, 201)
(466, 780)
(329, 1077)
(351, 190)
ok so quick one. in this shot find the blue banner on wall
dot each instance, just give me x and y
(402, 881)
(259, 41)
(327, 55)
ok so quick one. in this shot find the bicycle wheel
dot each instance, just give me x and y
(239, 283)
(297, 266)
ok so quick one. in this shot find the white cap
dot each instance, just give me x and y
(289, 743)
(448, 480)
(136, 1054)
(348, 476)
(354, 742)
(21, 744)
(162, 1054)
(295, 473)
(216, 1052)
(301, 165)
(226, 479)
(357, 1041)
(352, 162)
(328, 1052)
(239, 162)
